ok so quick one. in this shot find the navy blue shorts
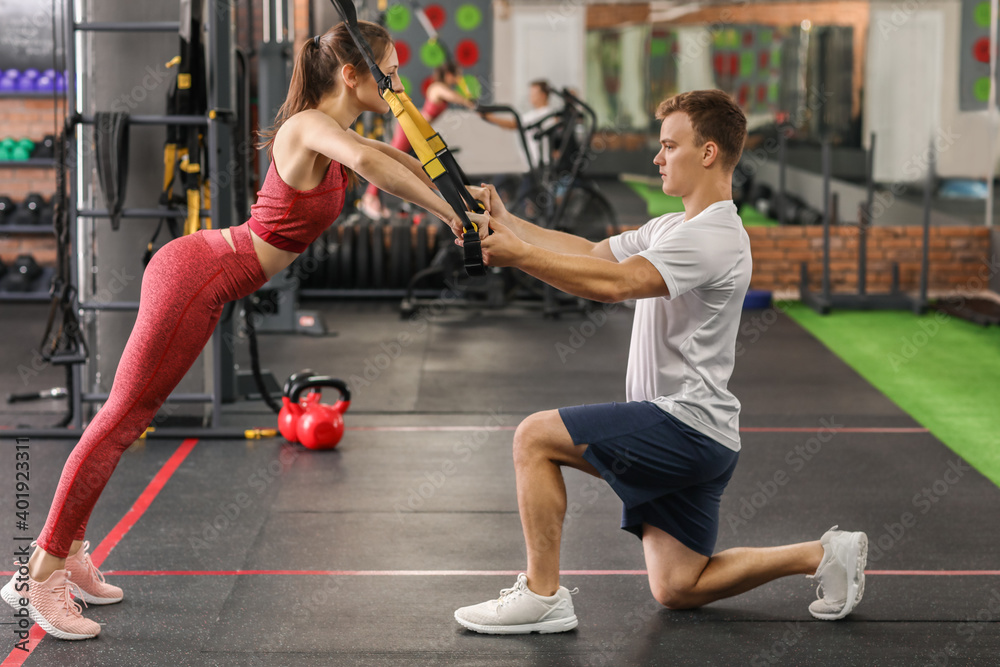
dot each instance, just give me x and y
(666, 473)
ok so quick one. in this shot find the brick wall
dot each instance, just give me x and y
(613, 15)
(957, 257)
(32, 118)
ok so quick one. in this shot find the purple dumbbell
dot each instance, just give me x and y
(44, 84)
(60, 83)
(51, 73)
(26, 84)
(30, 73)
(8, 85)
(12, 73)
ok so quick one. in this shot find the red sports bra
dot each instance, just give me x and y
(291, 219)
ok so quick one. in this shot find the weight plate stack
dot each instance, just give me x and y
(362, 257)
(378, 254)
(421, 251)
(346, 268)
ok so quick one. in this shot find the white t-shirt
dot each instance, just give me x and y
(531, 117)
(684, 345)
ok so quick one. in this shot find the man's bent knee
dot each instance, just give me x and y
(672, 597)
(530, 436)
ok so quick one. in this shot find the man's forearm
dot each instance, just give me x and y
(588, 277)
(549, 239)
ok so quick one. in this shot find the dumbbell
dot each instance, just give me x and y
(21, 275)
(7, 208)
(8, 85)
(29, 212)
(47, 147)
(22, 150)
(11, 73)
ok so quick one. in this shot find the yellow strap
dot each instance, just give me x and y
(426, 154)
(206, 198)
(193, 222)
(169, 164)
(433, 138)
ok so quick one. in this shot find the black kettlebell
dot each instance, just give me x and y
(293, 378)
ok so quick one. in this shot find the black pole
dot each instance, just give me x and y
(826, 218)
(924, 263)
(780, 199)
(866, 218)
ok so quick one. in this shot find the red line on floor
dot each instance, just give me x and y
(846, 429)
(476, 573)
(142, 503)
(745, 429)
(935, 573)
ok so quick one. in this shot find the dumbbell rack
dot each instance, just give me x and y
(222, 211)
(31, 163)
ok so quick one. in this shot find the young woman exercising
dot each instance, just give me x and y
(189, 280)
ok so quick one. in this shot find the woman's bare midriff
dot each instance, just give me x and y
(272, 260)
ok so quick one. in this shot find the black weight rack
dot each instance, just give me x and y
(222, 208)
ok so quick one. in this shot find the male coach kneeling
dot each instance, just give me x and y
(670, 450)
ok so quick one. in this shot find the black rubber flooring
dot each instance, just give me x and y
(261, 553)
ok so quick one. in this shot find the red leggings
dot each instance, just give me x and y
(184, 288)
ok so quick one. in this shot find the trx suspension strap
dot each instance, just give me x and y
(111, 147)
(184, 146)
(433, 153)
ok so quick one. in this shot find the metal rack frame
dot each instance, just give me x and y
(221, 99)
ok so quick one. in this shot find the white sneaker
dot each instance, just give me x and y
(520, 611)
(841, 574)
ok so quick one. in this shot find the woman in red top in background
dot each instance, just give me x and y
(439, 95)
(189, 280)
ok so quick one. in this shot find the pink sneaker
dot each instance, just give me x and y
(51, 605)
(90, 580)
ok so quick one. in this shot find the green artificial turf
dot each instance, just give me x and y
(659, 204)
(943, 371)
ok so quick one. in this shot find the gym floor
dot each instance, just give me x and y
(264, 553)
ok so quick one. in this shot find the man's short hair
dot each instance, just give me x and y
(714, 116)
(543, 84)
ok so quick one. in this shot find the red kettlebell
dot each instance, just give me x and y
(290, 413)
(317, 425)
